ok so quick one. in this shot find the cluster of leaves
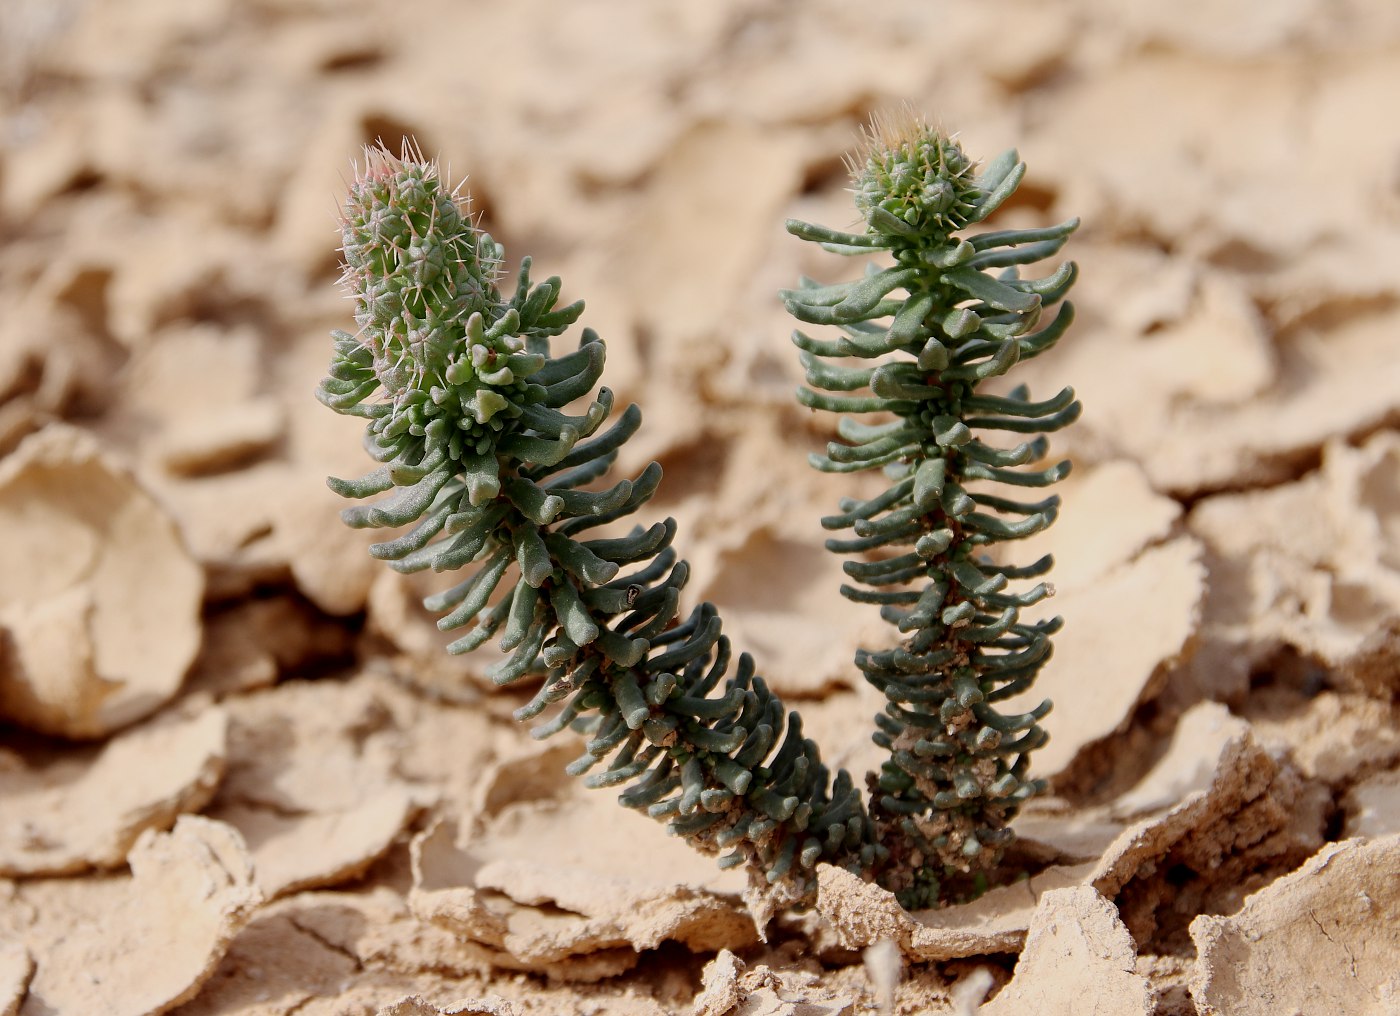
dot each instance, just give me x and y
(958, 766)
(465, 409)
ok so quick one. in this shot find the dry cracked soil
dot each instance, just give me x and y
(239, 775)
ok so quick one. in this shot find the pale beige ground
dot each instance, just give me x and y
(238, 773)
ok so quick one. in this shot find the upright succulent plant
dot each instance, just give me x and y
(465, 410)
(958, 766)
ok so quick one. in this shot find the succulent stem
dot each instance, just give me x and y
(465, 408)
(958, 768)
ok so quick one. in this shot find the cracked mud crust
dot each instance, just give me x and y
(239, 775)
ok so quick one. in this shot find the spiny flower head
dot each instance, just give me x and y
(914, 173)
(446, 349)
(416, 267)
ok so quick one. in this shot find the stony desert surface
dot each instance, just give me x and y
(238, 774)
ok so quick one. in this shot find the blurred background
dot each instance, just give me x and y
(169, 177)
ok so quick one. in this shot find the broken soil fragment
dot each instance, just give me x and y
(1134, 620)
(253, 642)
(336, 949)
(548, 879)
(542, 887)
(862, 914)
(1333, 598)
(1253, 818)
(1109, 514)
(1075, 940)
(311, 784)
(221, 440)
(71, 815)
(189, 893)
(1333, 926)
(99, 599)
(292, 852)
(730, 988)
(1203, 736)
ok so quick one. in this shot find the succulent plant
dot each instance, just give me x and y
(959, 767)
(465, 410)
(489, 475)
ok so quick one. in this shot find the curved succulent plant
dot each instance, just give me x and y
(489, 475)
(958, 766)
(466, 410)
